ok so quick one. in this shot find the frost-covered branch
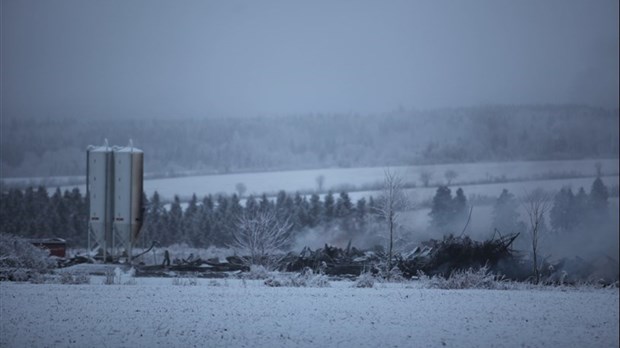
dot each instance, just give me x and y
(260, 235)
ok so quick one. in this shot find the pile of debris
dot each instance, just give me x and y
(443, 257)
(434, 257)
(210, 268)
(602, 270)
(332, 260)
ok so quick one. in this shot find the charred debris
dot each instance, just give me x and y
(433, 257)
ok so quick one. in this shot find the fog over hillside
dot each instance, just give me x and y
(232, 86)
(53, 146)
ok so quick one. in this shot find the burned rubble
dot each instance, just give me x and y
(435, 257)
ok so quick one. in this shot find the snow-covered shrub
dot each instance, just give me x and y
(301, 280)
(66, 278)
(394, 275)
(109, 278)
(16, 252)
(319, 281)
(256, 272)
(467, 279)
(78, 278)
(130, 275)
(189, 280)
(214, 282)
(365, 280)
(117, 275)
(37, 278)
(19, 275)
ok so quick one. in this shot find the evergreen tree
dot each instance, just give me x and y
(299, 218)
(12, 211)
(580, 208)
(29, 212)
(191, 221)
(235, 207)
(41, 203)
(344, 206)
(598, 197)
(222, 222)
(281, 208)
(316, 210)
(372, 205)
(154, 220)
(174, 223)
(441, 209)
(344, 212)
(329, 207)
(505, 214)
(205, 236)
(459, 205)
(265, 204)
(59, 215)
(361, 209)
(78, 217)
(251, 206)
(562, 212)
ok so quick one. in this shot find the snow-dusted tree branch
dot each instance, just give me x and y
(260, 235)
(391, 201)
(536, 203)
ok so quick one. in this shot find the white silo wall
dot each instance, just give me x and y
(100, 188)
(128, 176)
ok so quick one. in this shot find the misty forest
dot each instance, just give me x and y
(327, 215)
(31, 148)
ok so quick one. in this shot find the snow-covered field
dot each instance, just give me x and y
(336, 179)
(518, 188)
(358, 178)
(237, 314)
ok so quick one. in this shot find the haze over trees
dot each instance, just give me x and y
(34, 146)
(292, 220)
(448, 212)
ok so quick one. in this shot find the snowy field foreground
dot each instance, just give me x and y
(233, 313)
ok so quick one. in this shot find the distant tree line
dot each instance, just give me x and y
(570, 212)
(212, 220)
(208, 222)
(33, 213)
(43, 147)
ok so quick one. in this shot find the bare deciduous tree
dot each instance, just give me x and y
(320, 180)
(536, 203)
(241, 189)
(425, 177)
(599, 169)
(450, 175)
(392, 200)
(260, 235)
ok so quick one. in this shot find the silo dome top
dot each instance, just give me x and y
(104, 148)
(127, 149)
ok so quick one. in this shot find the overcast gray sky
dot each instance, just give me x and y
(192, 58)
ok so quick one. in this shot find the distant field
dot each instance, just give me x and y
(358, 179)
(422, 194)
